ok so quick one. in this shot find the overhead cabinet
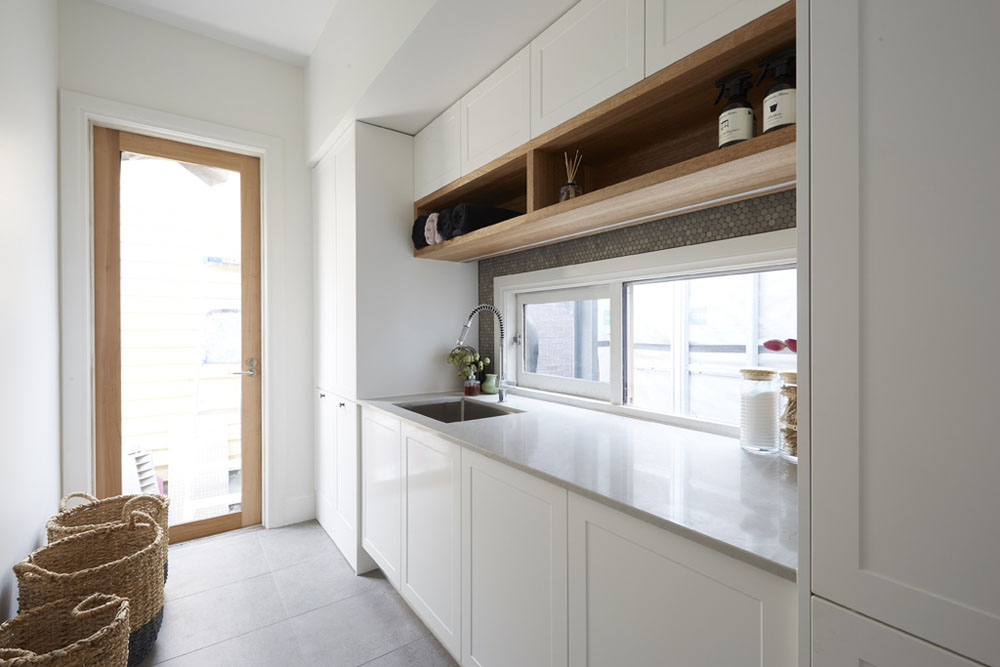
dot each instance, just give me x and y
(675, 28)
(437, 151)
(590, 53)
(495, 115)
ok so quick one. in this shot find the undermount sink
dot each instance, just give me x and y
(457, 410)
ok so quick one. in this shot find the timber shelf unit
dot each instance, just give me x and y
(649, 152)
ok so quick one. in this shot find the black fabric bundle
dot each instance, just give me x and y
(466, 218)
(419, 239)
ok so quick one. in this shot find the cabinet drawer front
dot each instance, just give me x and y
(436, 153)
(592, 52)
(496, 115)
(514, 567)
(842, 638)
(640, 591)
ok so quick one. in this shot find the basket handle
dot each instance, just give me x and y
(76, 494)
(93, 603)
(141, 517)
(27, 570)
(148, 504)
(11, 653)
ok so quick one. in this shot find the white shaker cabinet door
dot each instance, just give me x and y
(345, 285)
(842, 638)
(436, 152)
(903, 234)
(676, 28)
(346, 524)
(382, 491)
(640, 591)
(432, 528)
(324, 274)
(325, 463)
(496, 114)
(513, 567)
(590, 53)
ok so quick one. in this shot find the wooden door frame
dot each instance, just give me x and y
(107, 147)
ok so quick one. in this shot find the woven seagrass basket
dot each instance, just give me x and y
(98, 513)
(87, 632)
(120, 559)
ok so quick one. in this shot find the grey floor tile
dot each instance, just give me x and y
(350, 632)
(272, 646)
(425, 652)
(295, 544)
(202, 619)
(205, 564)
(320, 581)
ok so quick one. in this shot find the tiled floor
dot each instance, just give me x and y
(284, 597)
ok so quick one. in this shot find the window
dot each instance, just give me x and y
(662, 335)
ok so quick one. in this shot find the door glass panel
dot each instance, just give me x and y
(180, 329)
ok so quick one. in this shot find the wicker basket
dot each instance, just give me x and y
(121, 559)
(92, 632)
(98, 513)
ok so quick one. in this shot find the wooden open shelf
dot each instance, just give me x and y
(649, 152)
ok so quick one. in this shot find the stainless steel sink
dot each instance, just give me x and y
(457, 410)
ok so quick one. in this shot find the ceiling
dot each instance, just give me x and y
(283, 29)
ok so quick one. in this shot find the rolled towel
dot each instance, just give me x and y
(466, 218)
(435, 221)
(431, 234)
(417, 235)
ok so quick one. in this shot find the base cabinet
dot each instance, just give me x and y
(842, 638)
(382, 492)
(642, 595)
(432, 527)
(513, 567)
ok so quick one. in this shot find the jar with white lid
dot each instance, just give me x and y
(788, 416)
(759, 410)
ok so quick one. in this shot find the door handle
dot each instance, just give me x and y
(252, 372)
(342, 404)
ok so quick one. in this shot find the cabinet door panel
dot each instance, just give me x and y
(842, 638)
(325, 257)
(325, 461)
(513, 567)
(345, 269)
(641, 591)
(903, 237)
(496, 114)
(436, 153)
(592, 52)
(432, 549)
(382, 492)
(676, 28)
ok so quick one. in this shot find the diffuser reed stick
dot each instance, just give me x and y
(571, 189)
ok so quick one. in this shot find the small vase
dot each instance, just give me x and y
(569, 191)
(490, 384)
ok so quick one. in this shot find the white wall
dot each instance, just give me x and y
(360, 38)
(29, 381)
(118, 56)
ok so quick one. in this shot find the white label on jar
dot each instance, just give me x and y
(779, 108)
(735, 125)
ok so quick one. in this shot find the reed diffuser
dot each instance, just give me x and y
(571, 189)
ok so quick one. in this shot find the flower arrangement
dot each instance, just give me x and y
(775, 345)
(468, 362)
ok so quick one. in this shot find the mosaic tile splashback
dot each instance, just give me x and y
(752, 216)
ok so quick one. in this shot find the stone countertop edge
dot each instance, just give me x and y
(781, 564)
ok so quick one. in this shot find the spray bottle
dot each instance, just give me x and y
(736, 122)
(779, 103)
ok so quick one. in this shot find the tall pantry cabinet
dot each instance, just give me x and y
(904, 234)
(366, 284)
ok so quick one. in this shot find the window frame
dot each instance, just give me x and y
(766, 251)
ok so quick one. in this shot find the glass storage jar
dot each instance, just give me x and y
(759, 410)
(788, 416)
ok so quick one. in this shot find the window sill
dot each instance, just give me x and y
(702, 425)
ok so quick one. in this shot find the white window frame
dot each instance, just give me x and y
(757, 252)
(552, 383)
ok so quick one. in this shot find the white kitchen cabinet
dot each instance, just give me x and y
(345, 266)
(903, 235)
(324, 275)
(842, 638)
(382, 491)
(496, 114)
(513, 567)
(436, 153)
(325, 459)
(590, 53)
(676, 28)
(431, 578)
(639, 591)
